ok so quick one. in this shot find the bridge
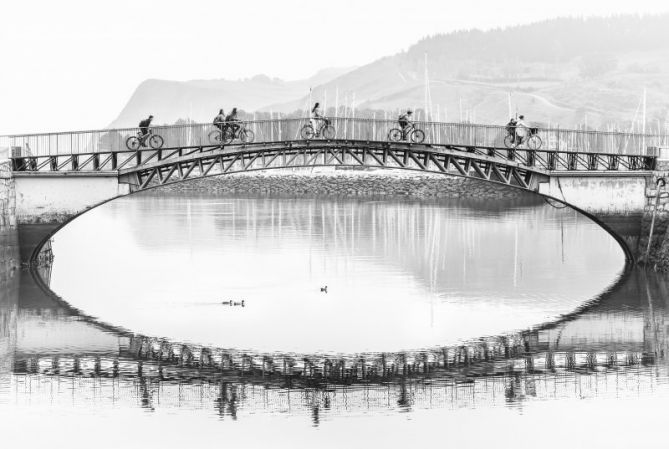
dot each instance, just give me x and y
(60, 175)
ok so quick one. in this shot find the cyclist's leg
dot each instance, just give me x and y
(404, 126)
(144, 133)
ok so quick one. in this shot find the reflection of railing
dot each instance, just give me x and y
(110, 140)
(547, 362)
(153, 384)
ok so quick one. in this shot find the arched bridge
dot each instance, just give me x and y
(60, 175)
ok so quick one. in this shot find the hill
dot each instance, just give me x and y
(566, 71)
(199, 100)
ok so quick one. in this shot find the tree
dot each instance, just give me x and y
(592, 66)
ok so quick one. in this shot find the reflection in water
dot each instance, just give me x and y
(593, 367)
(400, 274)
(617, 348)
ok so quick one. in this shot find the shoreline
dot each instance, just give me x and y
(347, 182)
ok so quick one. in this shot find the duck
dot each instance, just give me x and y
(324, 289)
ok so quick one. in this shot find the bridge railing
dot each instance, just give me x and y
(464, 134)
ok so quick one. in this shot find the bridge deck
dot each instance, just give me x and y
(518, 167)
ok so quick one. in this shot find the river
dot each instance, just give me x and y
(331, 322)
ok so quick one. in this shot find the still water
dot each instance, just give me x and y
(399, 275)
(470, 323)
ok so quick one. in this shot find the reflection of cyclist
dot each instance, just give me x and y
(231, 119)
(219, 120)
(522, 130)
(405, 122)
(144, 128)
(316, 117)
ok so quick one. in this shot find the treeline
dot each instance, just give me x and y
(550, 41)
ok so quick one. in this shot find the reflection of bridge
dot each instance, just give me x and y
(61, 175)
(619, 341)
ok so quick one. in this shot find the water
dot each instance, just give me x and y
(458, 321)
(399, 275)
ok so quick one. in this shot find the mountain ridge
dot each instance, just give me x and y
(566, 71)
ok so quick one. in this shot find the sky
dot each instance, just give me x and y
(73, 64)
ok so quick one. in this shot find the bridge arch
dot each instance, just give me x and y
(156, 168)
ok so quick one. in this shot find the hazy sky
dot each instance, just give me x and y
(73, 64)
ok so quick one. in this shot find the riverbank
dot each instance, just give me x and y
(658, 257)
(347, 182)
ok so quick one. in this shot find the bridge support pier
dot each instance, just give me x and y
(617, 200)
(54, 197)
(600, 193)
(46, 200)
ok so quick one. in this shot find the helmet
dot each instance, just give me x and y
(150, 116)
(521, 117)
(409, 111)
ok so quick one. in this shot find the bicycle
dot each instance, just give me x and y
(416, 135)
(532, 141)
(134, 142)
(326, 130)
(227, 135)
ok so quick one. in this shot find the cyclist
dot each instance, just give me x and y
(522, 130)
(511, 129)
(405, 122)
(316, 117)
(219, 120)
(231, 119)
(144, 129)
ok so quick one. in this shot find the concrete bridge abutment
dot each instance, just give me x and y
(621, 202)
(600, 194)
(45, 197)
(44, 201)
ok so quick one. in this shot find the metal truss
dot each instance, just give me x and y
(345, 154)
(515, 167)
(566, 160)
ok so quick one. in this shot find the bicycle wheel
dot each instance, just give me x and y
(307, 132)
(246, 135)
(227, 136)
(328, 132)
(509, 141)
(215, 137)
(534, 142)
(417, 136)
(155, 141)
(132, 143)
(395, 135)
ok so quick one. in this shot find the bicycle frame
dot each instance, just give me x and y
(142, 137)
(323, 123)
